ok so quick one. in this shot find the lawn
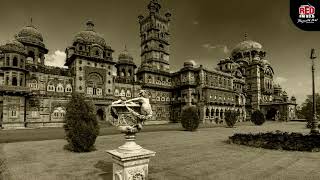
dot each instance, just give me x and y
(40, 134)
(181, 155)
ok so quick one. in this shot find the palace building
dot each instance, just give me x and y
(35, 95)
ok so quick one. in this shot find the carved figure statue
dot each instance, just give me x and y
(146, 110)
(140, 117)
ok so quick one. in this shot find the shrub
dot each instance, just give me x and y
(258, 118)
(190, 118)
(279, 140)
(81, 125)
(231, 118)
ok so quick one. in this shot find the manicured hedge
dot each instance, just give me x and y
(231, 118)
(190, 118)
(81, 126)
(258, 118)
(279, 140)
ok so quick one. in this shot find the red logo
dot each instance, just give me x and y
(306, 11)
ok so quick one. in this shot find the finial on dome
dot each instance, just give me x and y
(245, 36)
(90, 25)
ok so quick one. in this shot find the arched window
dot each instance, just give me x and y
(116, 92)
(94, 82)
(51, 87)
(58, 113)
(8, 61)
(21, 63)
(149, 79)
(123, 93)
(15, 61)
(7, 80)
(60, 88)
(207, 112)
(31, 56)
(129, 73)
(21, 80)
(14, 81)
(68, 88)
(128, 94)
(123, 73)
(99, 91)
(161, 46)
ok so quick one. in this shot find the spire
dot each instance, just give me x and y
(154, 6)
(245, 36)
(31, 23)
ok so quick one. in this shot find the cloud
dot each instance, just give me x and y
(58, 58)
(195, 22)
(210, 47)
(280, 80)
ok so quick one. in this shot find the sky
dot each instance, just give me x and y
(204, 31)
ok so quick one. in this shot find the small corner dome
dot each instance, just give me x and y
(247, 45)
(189, 63)
(125, 55)
(89, 36)
(13, 46)
(293, 98)
(30, 34)
(284, 93)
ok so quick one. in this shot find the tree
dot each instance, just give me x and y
(81, 126)
(231, 118)
(306, 110)
(257, 117)
(190, 118)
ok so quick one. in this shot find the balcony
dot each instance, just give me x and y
(15, 89)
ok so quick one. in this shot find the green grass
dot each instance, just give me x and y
(181, 155)
(40, 134)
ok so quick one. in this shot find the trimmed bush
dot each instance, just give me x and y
(258, 118)
(190, 118)
(279, 140)
(231, 118)
(81, 126)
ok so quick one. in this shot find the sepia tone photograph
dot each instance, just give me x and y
(159, 90)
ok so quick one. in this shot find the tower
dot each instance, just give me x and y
(154, 33)
(154, 73)
(90, 61)
(32, 39)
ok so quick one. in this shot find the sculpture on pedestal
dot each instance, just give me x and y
(129, 120)
(130, 161)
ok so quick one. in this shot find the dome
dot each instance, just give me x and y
(30, 34)
(188, 63)
(265, 62)
(125, 55)
(89, 36)
(13, 46)
(126, 58)
(284, 93)
(247, 45)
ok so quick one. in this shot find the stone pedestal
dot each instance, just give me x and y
(131, 166)
(130, 161)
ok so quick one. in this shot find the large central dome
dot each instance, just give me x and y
(89, 36)
(247, 46)
(30, 34)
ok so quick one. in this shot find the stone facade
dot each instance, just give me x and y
(35, 95)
